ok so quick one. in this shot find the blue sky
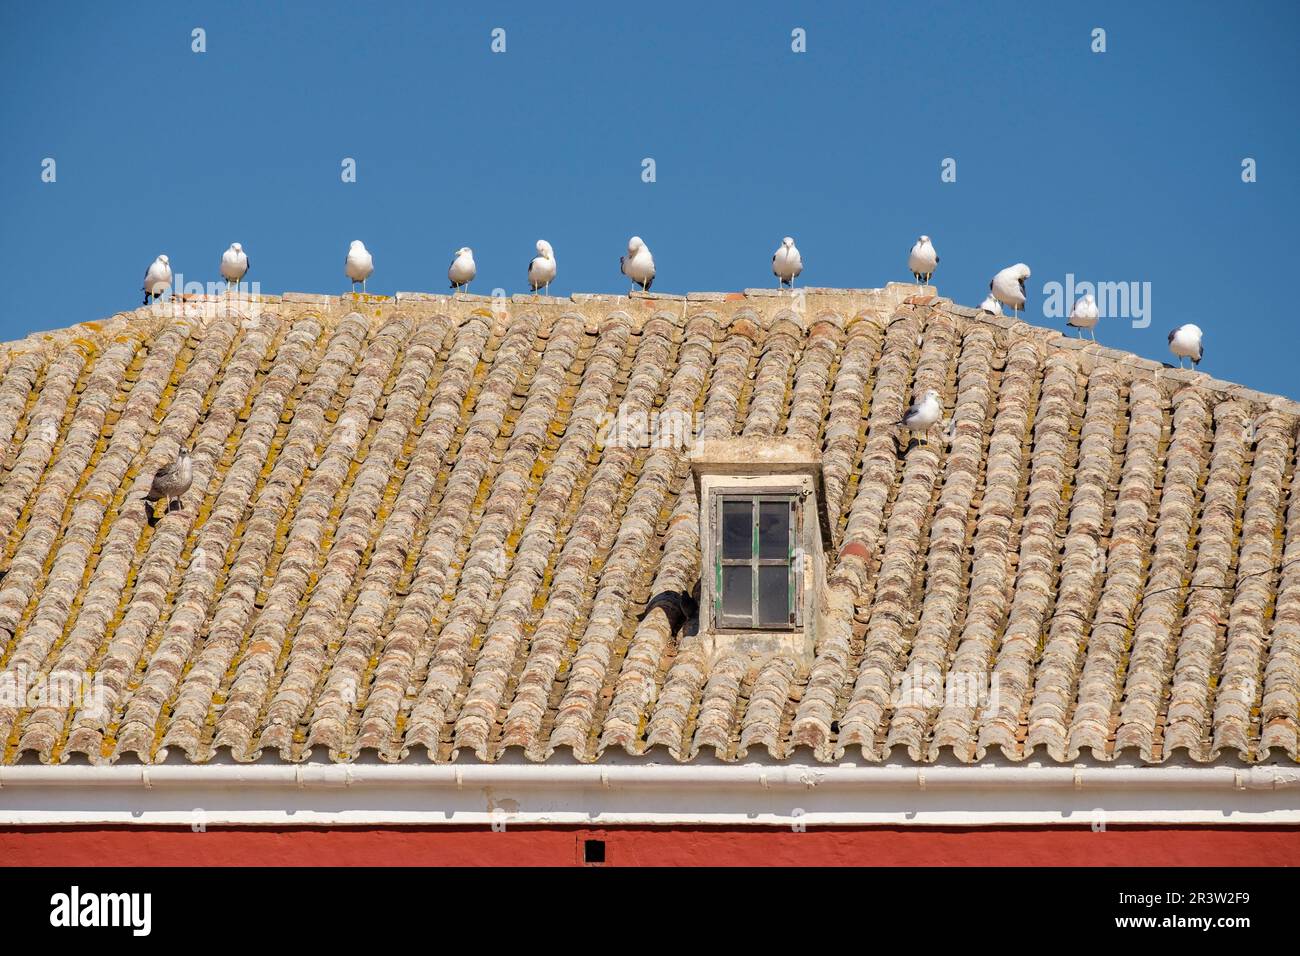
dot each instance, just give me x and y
(1123, 166)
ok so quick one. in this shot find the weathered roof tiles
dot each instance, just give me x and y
(406, 536)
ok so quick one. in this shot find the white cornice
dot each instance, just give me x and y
(600, 795)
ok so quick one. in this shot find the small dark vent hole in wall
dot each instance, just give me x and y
(593, 852)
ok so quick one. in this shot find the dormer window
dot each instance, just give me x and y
(757, 543)
(762, 526)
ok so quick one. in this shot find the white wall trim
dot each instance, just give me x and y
(610, 795)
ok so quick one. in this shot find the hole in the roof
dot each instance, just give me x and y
(593, 852)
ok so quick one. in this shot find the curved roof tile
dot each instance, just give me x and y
(407, 534)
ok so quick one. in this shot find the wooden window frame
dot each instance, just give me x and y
(793, 499)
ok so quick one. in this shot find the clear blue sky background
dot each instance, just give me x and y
(1122, 166)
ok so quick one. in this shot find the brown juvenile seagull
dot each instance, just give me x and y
(170, 482)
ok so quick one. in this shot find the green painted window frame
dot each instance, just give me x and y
(792, 499)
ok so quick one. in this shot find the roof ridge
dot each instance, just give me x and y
(882, 303)
(1054, 338)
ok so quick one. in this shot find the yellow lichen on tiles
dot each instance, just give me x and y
(406, 573)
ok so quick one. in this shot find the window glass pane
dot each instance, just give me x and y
(737, 528)
(773, 594)
(737, 593)
(774, 529)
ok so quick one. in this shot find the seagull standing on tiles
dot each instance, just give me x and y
(541, 269)
(462, 270)
(359, 264)
(1185, 342)
(787, 263)
(234, 264)
(991, 305)
(923, 414)
(1008, 286)
(1084, 316)
(157, 279)
(923, 260)
(638, 265)
(170, 482)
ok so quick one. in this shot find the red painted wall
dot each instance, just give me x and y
(650, 846)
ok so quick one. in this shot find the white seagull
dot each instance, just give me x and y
(1008, 286)
(638, 265)
(234, 264)
(1084, 316)
(157, 279)
(462, 270)
(359, 264)
(787, 263)
(1185, 342)
(923, 260)
(541, 269)
(991, 305)
(923, 414)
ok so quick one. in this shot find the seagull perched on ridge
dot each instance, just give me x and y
(542, 268)
(923, 260)
(170, 482)
(1084, 315)
(157, 279)
(1185, 342)
(1008, 286)
(787, 263)
(462, 270)
(923, 414)
(359, 264)
(234, 264)
(991, 305)
(638, 265)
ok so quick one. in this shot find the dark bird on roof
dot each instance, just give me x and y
(170, 482)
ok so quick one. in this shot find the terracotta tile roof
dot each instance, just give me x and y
(405, 535)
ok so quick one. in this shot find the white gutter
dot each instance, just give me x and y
(646, 794)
